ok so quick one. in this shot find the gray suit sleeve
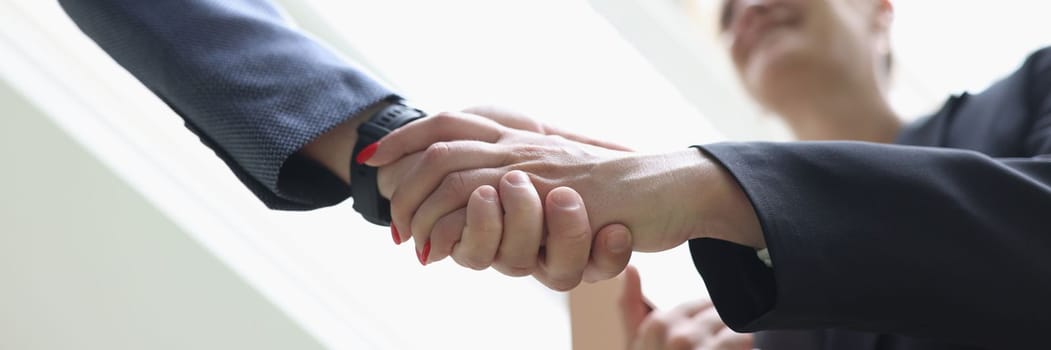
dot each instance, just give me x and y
(251, 86)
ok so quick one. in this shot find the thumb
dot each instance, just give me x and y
(633, 305)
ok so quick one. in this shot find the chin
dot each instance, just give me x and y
(783, 71)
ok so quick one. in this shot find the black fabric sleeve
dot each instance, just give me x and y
(928, 242)
(250, 85)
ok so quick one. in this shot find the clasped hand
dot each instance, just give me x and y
(491, 188)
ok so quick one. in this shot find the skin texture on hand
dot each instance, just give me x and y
(568, 255)
(449, 170)
(693, 325)
(433, 170)
(548, 241)
(664, 199)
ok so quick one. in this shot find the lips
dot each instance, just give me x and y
(758, 19)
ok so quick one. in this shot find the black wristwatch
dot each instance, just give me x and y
(363, 185)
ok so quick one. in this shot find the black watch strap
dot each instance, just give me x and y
(363, 178)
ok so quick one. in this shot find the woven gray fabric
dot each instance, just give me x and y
(251, 86)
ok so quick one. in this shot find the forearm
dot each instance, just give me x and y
(723, 209)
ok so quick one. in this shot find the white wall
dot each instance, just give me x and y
(337, 277)
(88, 263)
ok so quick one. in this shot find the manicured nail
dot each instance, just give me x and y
(424, 254)
(394, 234)
(367, 153)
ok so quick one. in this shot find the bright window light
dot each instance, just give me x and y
(571, 63)
(339, 277)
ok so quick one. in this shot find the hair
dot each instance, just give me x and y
(725, 16)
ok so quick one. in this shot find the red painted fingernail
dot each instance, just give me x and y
(394, 234)
(424, 254)
(367, 153)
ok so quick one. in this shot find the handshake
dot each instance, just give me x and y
(493, 188)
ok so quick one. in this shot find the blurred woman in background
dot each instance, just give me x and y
(824, 68)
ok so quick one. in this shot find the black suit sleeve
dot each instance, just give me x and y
(936, 243)
(251, 86)
(894, 239)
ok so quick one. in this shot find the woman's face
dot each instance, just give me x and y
(790, 51)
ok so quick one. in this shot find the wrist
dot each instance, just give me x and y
(364, 178)
(722, 208)
(668, 207)
(333, 148)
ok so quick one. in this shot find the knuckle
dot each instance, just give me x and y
(579, 234)
(557, 287)
(436, 153)
(572, 235)
(564, 288)
(475, 263)
(443, 118)
(517, 271)
(518, 267)
(471, 260)
(563, 283)
(525, 152)
(509, 271)
(458, 258)
(455, 183)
